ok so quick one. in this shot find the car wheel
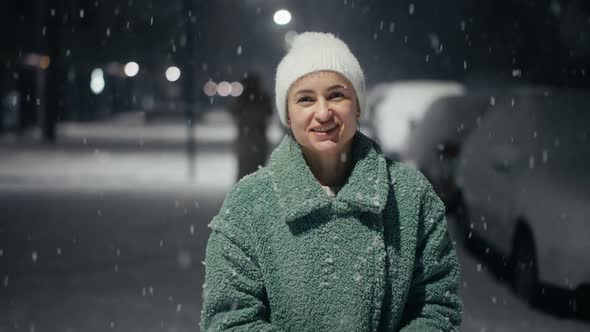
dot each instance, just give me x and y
(525, 282)
(582, 297)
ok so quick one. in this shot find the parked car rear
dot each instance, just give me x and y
(524, 175)
(434, 144)
(394, 108)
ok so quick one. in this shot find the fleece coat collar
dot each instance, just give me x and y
(284, 256)
(300, 194)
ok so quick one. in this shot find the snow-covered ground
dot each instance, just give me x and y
(490, 305)
(109, 234)
(126, 152)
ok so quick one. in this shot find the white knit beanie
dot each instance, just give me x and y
(316, 51)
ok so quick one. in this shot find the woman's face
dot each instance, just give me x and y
(322, 111)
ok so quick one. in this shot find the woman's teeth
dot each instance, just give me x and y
(324, 129)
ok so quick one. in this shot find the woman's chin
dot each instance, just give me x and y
(327, 146)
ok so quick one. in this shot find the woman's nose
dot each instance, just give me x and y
(323, 113)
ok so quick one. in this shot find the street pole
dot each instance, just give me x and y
(1, 99)
(54, 84)
(188, 85)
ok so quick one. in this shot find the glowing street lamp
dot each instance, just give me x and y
(131, 69)
(224, 89)
(236, 89)
(97, 81)
(172, 73)
(282, 17)
(210, 88)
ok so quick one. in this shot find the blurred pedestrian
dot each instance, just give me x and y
(331, 235)
(251, 111)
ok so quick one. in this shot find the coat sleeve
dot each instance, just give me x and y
(433, 303)
(234, 293)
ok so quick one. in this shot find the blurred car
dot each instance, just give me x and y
(434, 143)
(393, 108)
(525, 182)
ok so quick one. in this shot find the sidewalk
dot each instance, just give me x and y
(125, 152)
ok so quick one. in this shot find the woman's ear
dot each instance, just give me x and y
(287, 114)
(358, 109)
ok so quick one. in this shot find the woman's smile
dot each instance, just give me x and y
(323, 111)
(325, 131)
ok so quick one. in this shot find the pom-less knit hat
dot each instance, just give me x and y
(316, 51)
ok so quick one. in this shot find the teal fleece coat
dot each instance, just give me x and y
(284, 256)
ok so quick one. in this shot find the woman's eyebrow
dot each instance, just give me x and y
(333, 87)
(303, 91)
(337, 86)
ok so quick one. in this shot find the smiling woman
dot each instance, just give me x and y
(331, 235)
(323, 113)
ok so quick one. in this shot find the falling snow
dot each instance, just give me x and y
(181, 253)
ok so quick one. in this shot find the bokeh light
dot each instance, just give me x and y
(282, 17)
(44, 62)
(224, 89)
(236, 89)
(97, 82)
(210, 88)
(131, 69)
(172, 73)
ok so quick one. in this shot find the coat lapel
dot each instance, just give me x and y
(300, 194)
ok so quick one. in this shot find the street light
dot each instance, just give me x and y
(97, 81)
(282, 17)
(210, 88)
(224, 89)
(236, 89)
(131, 69)
(172, 73)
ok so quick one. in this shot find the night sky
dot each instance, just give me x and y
(545, 42)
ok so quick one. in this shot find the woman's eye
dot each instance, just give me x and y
(336, 95)
(304, 100)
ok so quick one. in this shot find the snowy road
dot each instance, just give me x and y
(114, 239)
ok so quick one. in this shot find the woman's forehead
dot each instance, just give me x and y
(320, 80)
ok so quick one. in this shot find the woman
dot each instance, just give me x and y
(331, 235)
